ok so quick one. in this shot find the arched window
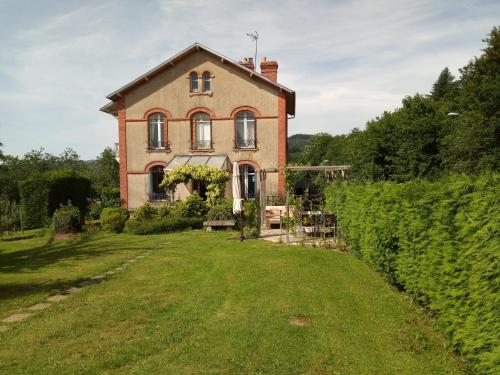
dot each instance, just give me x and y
(206, 81)
(248, 180)
(202, 131)
(155, 192)
(245, 130)
(193, 82)
(156, 130)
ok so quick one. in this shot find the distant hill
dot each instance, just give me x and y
(296, 144)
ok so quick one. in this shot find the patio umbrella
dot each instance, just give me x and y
(237, 201)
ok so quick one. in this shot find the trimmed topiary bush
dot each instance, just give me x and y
(67, 219)
(166, 225)
(113, 219)
(42, 195)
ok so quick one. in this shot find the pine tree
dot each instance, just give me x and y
(443, 85)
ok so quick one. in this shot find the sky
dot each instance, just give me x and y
(348, 61)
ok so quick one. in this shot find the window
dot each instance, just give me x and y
(156, 193)
(245, 129)
(193, 82)
(206, 81)
(156, 130)
(202, 131)
(248, 179)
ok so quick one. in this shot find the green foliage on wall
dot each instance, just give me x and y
(439, 241)
(215, 179)
(35, 201)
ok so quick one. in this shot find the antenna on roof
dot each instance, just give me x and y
(254, 36)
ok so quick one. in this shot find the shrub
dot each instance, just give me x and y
(35, 201)
(165, 225)
(67, 219)
(439, 241)
(113, 219)
(67, 186)
(196, 206)
(164, 211)
(110, 197)
(145, 212)
(223, 210)
(10, 218)
(42, 195)
(251, 222)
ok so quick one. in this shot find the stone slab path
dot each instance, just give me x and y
(21, 316)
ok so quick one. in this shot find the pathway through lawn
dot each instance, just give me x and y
(205, 304)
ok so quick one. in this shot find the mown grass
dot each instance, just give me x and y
(205, 304)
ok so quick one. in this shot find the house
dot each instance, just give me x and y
(202, 108)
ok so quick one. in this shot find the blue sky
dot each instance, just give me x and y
(348, 61)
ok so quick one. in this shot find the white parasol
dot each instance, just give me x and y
(237, 201)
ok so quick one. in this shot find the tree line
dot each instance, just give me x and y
(19, 174)
(453, 129)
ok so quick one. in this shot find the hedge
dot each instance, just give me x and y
(439, 241)
(165, 225)
(42, 195)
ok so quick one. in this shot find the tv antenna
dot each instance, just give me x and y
(255, 37)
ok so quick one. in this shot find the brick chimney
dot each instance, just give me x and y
(269, 69)
(248, 62)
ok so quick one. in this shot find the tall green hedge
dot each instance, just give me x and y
(42, 195)
(439, 241)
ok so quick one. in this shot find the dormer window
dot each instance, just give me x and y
(207, 77)
(156, 130)
(193, 82)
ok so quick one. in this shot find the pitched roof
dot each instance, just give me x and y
(111, 107)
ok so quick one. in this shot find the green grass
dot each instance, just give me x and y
(204, 304)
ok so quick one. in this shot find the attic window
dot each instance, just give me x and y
(193, 82)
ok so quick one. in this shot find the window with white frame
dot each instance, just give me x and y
(202, 131)
(155, 191)
(206, 78)
(248, 180)
(245, 130)
(156, 130)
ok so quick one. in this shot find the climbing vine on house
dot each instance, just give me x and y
(215, 179)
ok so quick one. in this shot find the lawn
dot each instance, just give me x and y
(202, 303)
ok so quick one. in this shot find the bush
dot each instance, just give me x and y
(67, 219)
(165, 225)
(194, 206)
(35, 201)
(221, 211)
(42, 195)
(251, 223)
(110, 197)
(10, 218)
(164, 211)
(439, 241)
(145, 212)
(113, 219)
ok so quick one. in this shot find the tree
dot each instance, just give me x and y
(444, 84)
(105, 170)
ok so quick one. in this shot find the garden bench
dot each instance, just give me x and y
(213, 224)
